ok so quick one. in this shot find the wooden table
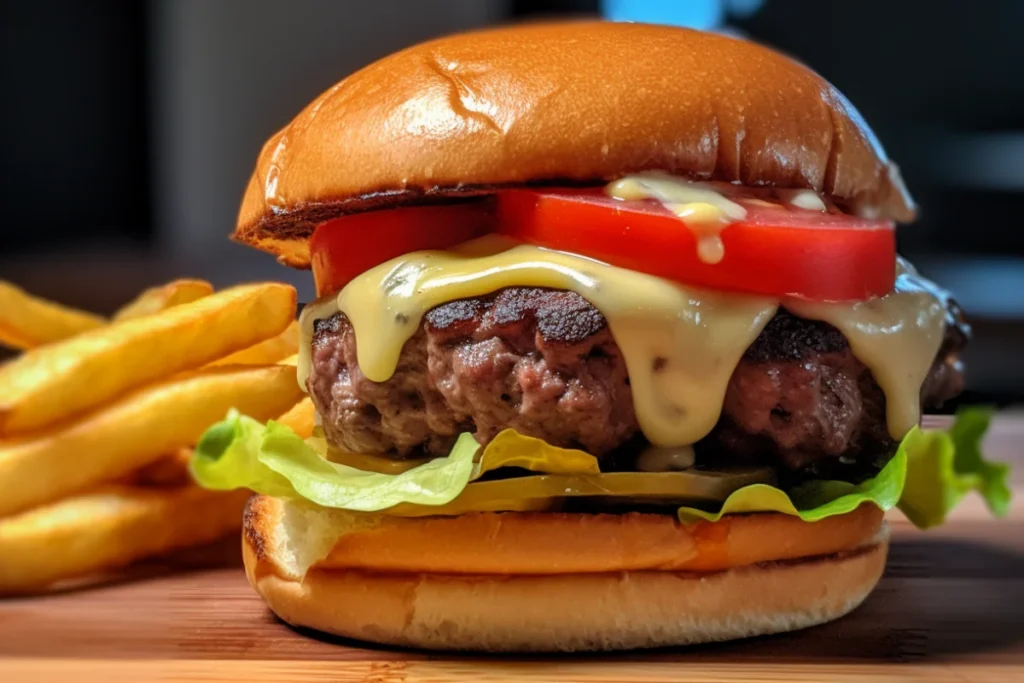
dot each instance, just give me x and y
(950, 608)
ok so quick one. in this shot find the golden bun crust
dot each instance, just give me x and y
(604, 611)
(557, 608)
(579, 102)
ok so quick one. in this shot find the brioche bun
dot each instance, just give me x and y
(575, 103)
(760, 574)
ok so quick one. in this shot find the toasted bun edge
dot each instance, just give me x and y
(606, 611)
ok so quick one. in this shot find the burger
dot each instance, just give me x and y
(613, 349)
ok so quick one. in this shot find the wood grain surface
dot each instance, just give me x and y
(950, 608)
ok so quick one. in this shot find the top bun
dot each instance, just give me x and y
(581, 102)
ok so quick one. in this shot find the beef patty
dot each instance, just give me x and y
(544, 363)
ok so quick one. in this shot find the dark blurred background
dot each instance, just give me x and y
(130, 128)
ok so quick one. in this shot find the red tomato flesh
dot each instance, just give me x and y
(344, 247)
(775, 250)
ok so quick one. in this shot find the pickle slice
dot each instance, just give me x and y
(546, 491)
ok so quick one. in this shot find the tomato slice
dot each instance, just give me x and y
(775, 250)
(342, 248)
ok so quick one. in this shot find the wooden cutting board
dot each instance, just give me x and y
(950, 608)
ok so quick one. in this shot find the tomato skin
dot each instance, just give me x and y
(774, 251)
(344, 247)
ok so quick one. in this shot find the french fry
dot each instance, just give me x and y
(269, 351)
(170, 470)
(48, 384)
(108, 529)
(301, 418)
(161, 298)
(136, 430)
(27, 321)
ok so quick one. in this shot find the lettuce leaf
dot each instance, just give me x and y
(931, 472)
(944, 466)
(814, 500)
(242, 453)
(222, 460)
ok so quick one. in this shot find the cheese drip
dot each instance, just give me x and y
(703, 209)
(680, 344)
(801, 199)
(896, 336)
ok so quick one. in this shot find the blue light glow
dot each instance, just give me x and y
(699, 14)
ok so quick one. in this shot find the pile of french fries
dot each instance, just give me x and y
(98, 418)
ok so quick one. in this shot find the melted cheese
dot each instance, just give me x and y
(666, 459)
(705, 210)
(801, 199)
(704, 207)
(680, 344)
(896, 336)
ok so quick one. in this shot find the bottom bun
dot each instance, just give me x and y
(572, 612)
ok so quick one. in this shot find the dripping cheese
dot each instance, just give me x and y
(680, 344)
(701, 207)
